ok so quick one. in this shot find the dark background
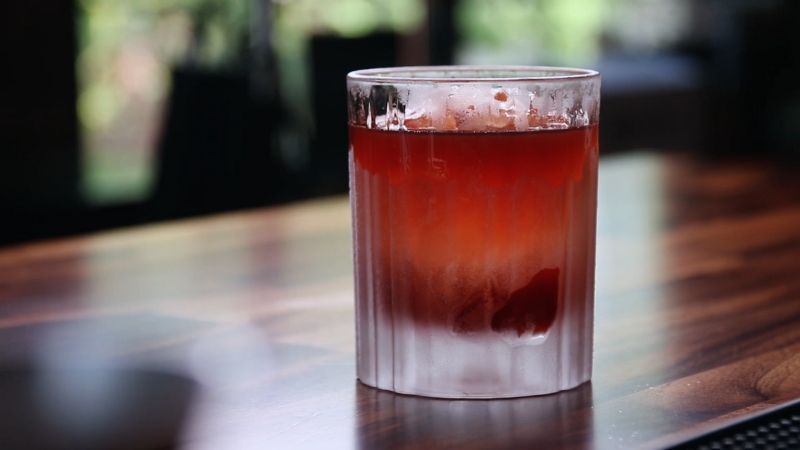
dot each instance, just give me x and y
(248, 128)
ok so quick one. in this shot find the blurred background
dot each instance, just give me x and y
(116, 113)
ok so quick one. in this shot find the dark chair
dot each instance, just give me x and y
(215, 153)
(332, 58)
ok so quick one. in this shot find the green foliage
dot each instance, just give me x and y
(549, 31)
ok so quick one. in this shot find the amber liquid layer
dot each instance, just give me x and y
(474, 256)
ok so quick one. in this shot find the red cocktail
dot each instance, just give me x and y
(474, 233)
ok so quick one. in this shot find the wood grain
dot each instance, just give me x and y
(697, 318)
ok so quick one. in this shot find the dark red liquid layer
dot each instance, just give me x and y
(474, 232)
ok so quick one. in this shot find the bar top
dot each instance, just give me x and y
(697, 318)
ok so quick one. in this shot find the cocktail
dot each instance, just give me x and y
(474, 193)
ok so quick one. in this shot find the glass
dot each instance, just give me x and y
(474, 200)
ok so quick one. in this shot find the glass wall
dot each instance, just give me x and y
(126, 51)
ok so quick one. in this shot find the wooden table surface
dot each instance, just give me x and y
(697, 318)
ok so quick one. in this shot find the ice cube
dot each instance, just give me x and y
(471, 108)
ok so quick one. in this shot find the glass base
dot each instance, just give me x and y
(437, 363)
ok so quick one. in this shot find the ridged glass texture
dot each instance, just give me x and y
(473, 193)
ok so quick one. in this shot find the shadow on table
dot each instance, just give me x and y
(92, 408)
(388, 420)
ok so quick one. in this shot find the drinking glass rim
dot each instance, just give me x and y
(447, 74)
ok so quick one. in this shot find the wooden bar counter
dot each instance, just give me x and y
(697, 318)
